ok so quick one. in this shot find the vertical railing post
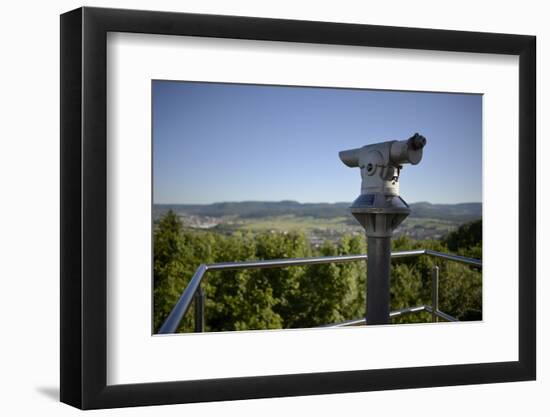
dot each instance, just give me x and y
(199, 310)
(435, 293)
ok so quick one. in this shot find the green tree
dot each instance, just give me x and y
(466, 240)
(169, 267)
(239, 300)
(298, 297)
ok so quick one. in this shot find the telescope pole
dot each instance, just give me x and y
(378, 280)
(379, 214)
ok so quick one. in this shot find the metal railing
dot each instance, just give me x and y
(195, 292)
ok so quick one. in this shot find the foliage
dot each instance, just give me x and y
(303, 296)
(466, 240)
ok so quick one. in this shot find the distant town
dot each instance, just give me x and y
(319, 221)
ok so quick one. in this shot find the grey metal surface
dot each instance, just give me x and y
(456, 258)
(393, 314)
(281, 263)
(347, 323)
(441, 314)
(173, 320)
(380, 209)
(381, 163)
(199, 310)
(445, 316)
(435, 292)
(407, 310)
(379, 214)
(408, 253)
(378, 281)
(171, 323)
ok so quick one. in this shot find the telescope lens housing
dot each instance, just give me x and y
(408, 151)
(380, 163)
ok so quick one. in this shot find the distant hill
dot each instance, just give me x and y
(461, 212)
(259, 209)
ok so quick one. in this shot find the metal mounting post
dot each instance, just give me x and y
(199, 310)
(378, 280)
(435, 293)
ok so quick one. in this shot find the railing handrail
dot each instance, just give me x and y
(182, 306)
(456, 258)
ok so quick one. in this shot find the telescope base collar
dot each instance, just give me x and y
(379, 214)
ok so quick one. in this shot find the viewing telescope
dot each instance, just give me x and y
(380, 209)
(381, 163)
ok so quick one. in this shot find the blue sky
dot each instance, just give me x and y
(217, 142)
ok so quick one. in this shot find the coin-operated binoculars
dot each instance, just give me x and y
(380, 210)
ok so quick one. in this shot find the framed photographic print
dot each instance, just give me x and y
(257, 207)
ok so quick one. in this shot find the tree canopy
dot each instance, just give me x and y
(300, 296)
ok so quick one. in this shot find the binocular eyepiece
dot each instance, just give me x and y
(417, 141)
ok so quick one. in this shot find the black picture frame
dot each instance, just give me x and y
(84, 207)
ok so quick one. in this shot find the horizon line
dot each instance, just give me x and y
(299, 202)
